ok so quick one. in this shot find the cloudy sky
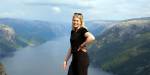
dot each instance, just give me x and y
(62, 10)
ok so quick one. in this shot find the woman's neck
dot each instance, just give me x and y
(76, 29)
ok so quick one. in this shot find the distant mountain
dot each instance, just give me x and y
(98, 26)
(16, 33)
(142, 18)
(39, 30)
(123, 48)
(36, 31)
(7, 32)
(8, 41)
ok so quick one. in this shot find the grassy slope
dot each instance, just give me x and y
(129, 56)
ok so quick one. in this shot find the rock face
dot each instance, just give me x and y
(7, 40)
(7, 32)
(2, 71)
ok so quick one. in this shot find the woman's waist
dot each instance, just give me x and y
(75, 48)
(81, 51)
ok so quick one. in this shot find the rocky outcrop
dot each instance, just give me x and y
(7, 32)
(7, 40)
(2, 71)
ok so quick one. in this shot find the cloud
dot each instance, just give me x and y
(64, 5)
(4, 14)
(56, 9)
(92, 9)
(119, 9)
(12, 14)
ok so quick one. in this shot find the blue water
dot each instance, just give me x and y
(46, 59)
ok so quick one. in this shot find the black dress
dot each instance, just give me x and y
(80, 59)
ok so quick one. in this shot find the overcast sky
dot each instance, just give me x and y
(62, 10)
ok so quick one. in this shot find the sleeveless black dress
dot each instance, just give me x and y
(80, 59)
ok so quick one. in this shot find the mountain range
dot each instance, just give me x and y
(123, 49)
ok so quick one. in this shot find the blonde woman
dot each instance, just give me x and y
(79, 39)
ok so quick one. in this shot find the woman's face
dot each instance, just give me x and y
(76, 22)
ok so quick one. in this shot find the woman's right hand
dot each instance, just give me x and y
(65, 65)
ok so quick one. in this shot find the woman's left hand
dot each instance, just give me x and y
(65, 65)
(82, 46)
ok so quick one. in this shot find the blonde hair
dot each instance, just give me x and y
(80, 16)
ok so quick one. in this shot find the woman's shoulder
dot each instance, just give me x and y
(84, 30)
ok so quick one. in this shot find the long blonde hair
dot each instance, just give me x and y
(80, 16)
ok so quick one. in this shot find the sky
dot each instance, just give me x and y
(62, 10)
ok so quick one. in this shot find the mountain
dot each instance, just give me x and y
(49, 30)
(123, 48)
(7, 32)
(8, 42)
(98, 26)
(16, 33)
(35, 31)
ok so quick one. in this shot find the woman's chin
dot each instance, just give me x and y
(75, 26)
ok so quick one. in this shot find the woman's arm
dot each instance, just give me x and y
(89, 38)
(68, 55)
(67, 58)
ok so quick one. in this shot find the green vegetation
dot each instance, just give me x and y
(123, 50)
(3, 26)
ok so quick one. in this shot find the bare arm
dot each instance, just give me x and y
(67, 58)
(89, 39)
(68, 55)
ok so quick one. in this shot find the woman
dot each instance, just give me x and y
(80, 37)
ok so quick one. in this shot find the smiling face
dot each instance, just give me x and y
(76, 22)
